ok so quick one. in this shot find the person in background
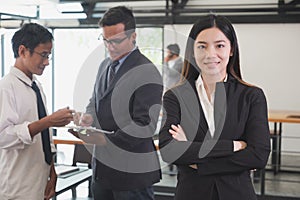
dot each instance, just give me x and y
(126, 100)
(25, 171)
(215, 124)
(171, 76)
(172, 66)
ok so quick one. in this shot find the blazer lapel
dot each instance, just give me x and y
(101, 80)
(220, 108)
(194, 108)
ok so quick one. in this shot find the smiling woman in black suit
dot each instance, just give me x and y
(215, 125)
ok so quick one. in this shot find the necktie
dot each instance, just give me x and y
(112, 70)
(45, 132)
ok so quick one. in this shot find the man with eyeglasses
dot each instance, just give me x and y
(125, 163)
(26, 146)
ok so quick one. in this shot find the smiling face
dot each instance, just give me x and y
(33, 61)
(212, 51)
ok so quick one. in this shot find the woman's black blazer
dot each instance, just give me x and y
(240, 113)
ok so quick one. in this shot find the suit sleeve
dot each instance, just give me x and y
(186, 153)
(139, 116)
(256, 135)
(91, 107)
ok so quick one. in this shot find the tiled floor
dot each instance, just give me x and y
(286, 183)
(283, 184)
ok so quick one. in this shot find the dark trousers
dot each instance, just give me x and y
(215, 195)
(101, 193)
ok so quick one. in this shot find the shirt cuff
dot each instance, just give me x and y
(24, 134)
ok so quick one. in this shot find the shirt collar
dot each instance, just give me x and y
(123, 59)
(199, 80)
(22, 76)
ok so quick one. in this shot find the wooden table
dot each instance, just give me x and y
(284, 116)
(278, 117)
(67, 140)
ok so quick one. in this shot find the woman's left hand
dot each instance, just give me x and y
(177, 133)
(194, 166)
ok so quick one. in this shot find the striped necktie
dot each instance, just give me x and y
(112, 71)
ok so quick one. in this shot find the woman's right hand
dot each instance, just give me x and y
(177, 133)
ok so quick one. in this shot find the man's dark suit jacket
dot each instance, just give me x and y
(240, 113)
(130, 107)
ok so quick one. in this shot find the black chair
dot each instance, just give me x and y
(83, 154)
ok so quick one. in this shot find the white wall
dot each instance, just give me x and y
(269, 59)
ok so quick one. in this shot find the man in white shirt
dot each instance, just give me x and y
(25, 171)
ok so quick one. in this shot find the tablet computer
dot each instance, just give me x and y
(87, 129)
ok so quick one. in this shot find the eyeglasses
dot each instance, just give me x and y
(44, 55)
(112, 41)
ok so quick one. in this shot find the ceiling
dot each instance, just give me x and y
(86, 13)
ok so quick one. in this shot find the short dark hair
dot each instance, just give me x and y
(119, 14)
(174, 48)
(30, 35)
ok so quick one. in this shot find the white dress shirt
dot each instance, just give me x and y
(207, 105)
(23, 170)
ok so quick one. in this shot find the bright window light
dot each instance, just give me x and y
(53, 12)
(2, 31)
(23, 10)
(69, 7)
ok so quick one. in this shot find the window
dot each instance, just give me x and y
(150, 43)
(73, 49)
